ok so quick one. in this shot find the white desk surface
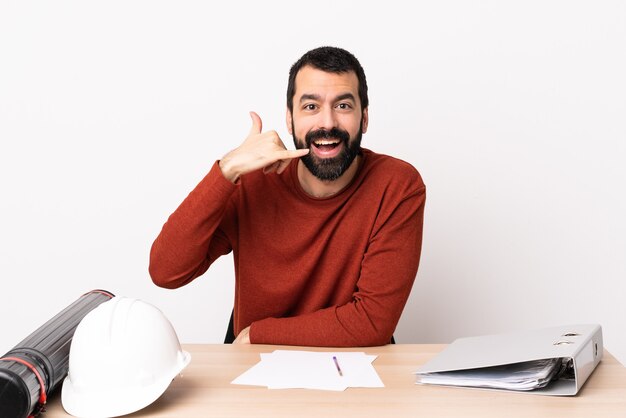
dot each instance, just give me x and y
(204, 390)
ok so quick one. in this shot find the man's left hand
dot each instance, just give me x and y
(243, 337)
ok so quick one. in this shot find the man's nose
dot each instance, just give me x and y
(327, 119)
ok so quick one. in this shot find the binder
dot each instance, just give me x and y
(582, 344)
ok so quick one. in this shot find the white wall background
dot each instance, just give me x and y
(514, 112)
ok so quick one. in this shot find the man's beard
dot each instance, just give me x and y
(329, 169)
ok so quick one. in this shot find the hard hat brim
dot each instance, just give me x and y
(115, 400)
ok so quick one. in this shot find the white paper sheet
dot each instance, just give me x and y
(285, 369)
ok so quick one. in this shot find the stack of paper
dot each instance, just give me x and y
(284, 369)
(528, 375)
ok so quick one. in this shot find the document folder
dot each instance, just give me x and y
(578, 346)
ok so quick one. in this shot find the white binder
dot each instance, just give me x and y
(580, 343)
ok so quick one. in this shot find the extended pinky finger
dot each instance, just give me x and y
(288, 154)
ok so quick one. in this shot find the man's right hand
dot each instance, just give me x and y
(259, 150)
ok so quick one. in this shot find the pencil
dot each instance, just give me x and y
(337, 365)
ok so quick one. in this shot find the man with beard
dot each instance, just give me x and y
(326, 238)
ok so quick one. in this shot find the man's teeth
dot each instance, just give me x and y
(324, 142)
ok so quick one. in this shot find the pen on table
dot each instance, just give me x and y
(337, 365)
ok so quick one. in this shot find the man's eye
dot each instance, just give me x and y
(309, 106)
(344, 106)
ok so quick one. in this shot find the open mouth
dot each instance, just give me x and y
(326, 145)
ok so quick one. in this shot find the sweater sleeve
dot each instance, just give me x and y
(191, 239)
(388, 270)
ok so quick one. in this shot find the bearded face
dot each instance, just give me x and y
(329, 119)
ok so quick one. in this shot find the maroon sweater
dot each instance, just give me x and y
(335, 271)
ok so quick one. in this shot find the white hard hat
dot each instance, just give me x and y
(123, 356)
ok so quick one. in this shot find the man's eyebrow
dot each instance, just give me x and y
(305, 97)
(316, 97)
(345, 96)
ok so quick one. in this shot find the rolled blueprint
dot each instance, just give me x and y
(38, 364)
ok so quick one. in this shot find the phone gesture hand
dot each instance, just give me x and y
(260, 150)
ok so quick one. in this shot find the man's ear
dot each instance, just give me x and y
(289, 120)
(365, 120)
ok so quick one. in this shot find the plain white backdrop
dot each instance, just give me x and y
(514, 113)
